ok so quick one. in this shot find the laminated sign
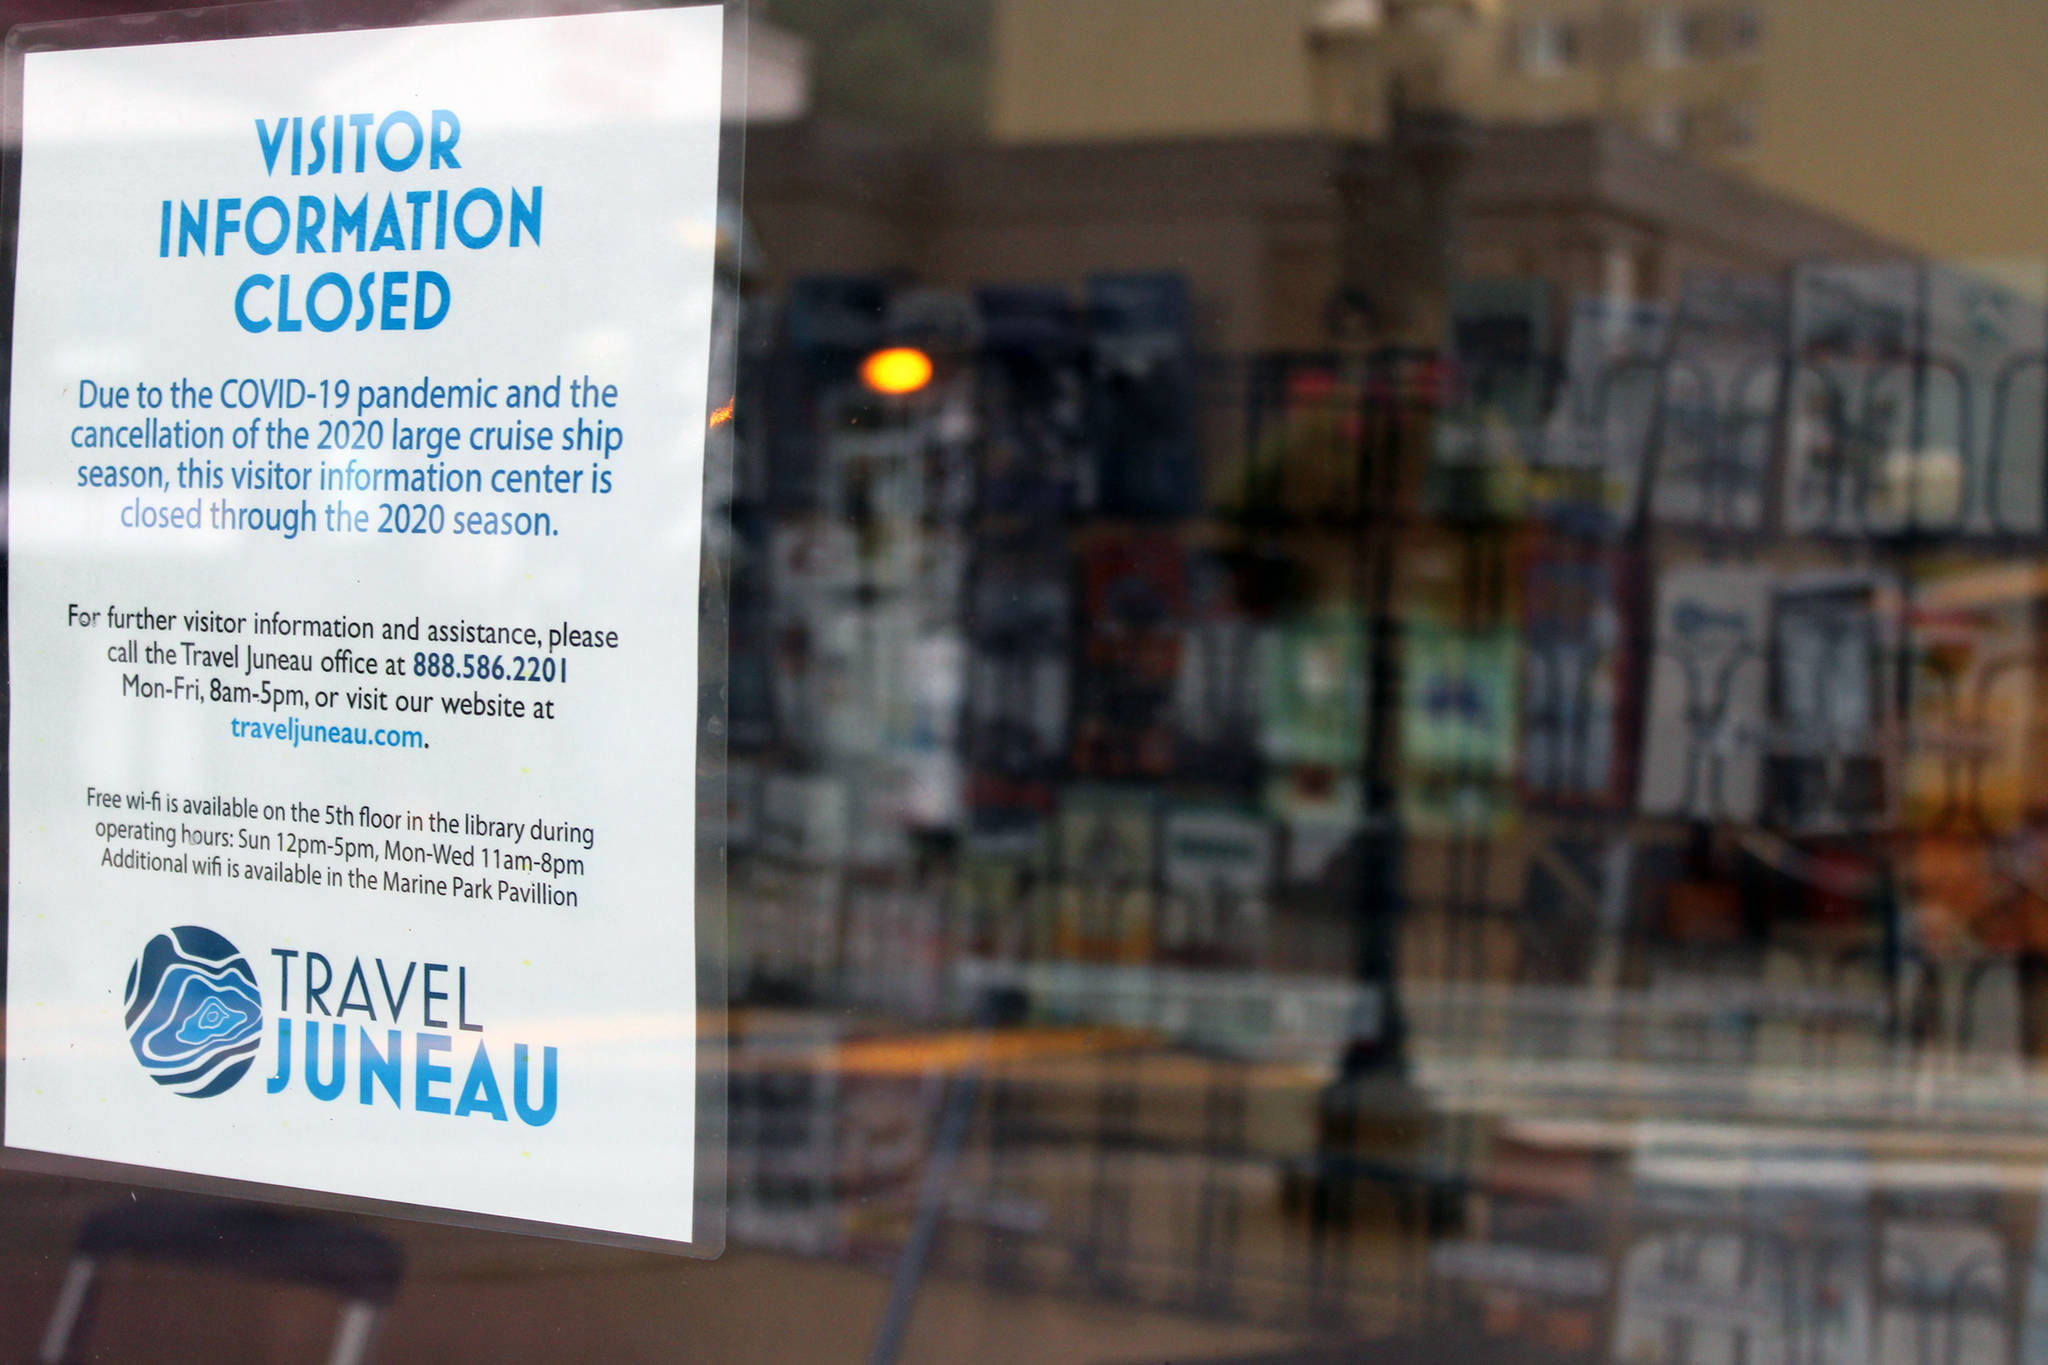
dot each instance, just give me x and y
(361, 390)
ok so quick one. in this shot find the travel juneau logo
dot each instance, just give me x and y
(410, 1043)
(194, 1016)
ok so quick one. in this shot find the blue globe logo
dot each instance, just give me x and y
(195, 1018)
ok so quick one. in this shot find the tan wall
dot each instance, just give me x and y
(1091, 69)
(1926, 123)
(1072, 70)
(1929, 120)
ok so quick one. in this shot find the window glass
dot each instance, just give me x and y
(1745, 30)
(1673, 36)
(1548, 45)
(1380, 671)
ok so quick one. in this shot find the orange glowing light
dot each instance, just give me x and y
(897, 370)
(722, 415)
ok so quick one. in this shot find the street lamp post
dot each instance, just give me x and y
(1386, 76)
(1387, 82)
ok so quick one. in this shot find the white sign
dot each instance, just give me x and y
(359, 409)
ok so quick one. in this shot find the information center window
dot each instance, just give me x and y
(1067, 681)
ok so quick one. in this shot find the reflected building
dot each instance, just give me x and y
(1374, 783)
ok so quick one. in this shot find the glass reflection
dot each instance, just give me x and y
(1385, 677)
